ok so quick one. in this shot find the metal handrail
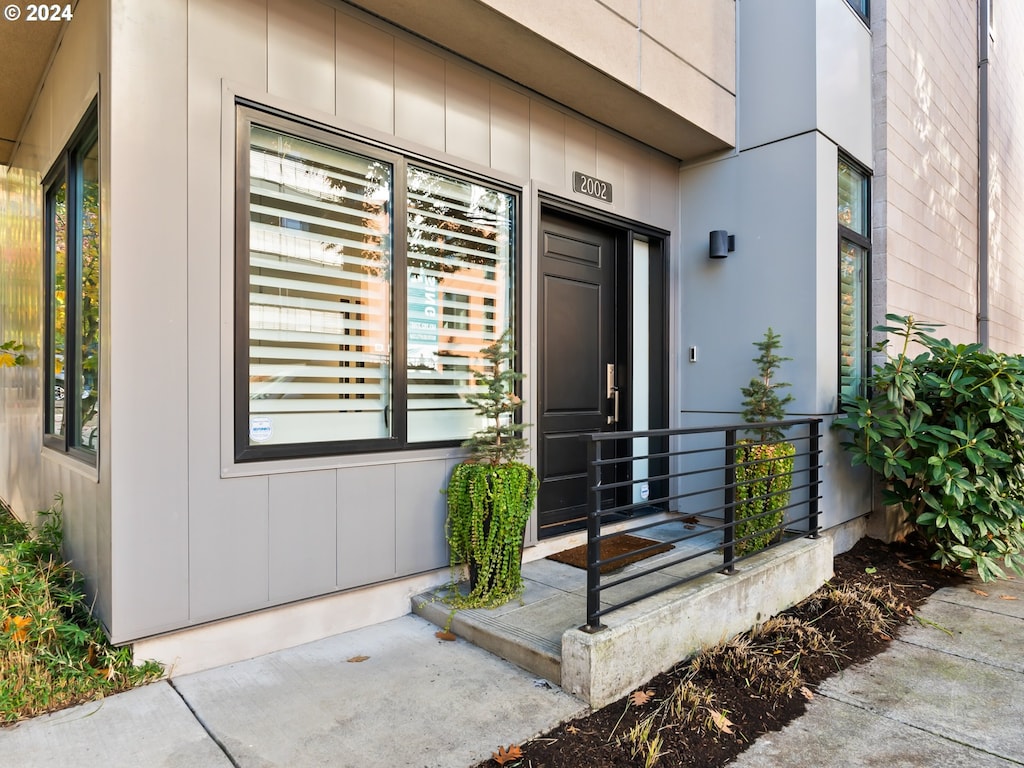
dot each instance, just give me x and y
(598, 464)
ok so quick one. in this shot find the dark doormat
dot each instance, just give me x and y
(622, 544)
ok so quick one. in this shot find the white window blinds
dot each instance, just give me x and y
(319, 292)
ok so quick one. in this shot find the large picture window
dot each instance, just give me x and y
(367, 284)
(854, 258)
(73, 261)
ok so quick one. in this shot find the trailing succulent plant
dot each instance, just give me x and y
(491, 494)
(764, 463)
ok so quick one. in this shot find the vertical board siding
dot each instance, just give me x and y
(301, 53)
(148, 382)
(228, 521)
(229, 548)
(366, 525)
(467, 114)
(510, 131)
(303, 534)
(366, 74)
(420, 515)
(419, 95)
(547, 144)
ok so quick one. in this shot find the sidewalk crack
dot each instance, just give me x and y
(204, 726)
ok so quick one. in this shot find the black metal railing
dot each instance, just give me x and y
(691, 474)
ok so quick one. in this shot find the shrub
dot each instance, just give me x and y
(764, 465)
(53, 653)
(945, 431)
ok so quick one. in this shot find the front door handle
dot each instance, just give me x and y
(612, 392)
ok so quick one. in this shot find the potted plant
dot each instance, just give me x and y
(764, 462)
(491, 494)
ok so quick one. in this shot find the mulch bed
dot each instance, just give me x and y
(759, 681)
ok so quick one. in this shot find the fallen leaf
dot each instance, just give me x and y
(442, 635)
(1007, 597)
(357, 659)
(979, 592)
(16, 625)
(504, 755)
(871, 570)
(807, 692)
(639, 698)
(723, 723)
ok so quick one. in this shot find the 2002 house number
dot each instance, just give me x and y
(588, 185)
(52, 12)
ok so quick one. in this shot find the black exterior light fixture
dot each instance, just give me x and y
(721, 244)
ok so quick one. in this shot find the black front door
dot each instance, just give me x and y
(580, 349)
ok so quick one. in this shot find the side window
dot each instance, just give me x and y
(366, 287)
(854, 260)
(863, 9)
(73, 266)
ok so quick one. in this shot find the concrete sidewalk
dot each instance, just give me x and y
(934, 698)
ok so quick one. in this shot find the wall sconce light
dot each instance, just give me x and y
(721, 244)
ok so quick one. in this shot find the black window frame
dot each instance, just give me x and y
(67, 169)
(862, 241)
(251, 113)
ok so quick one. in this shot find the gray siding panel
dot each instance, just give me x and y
(510, 131)
(303, 531)
(300, 53)
(420, 514)
(419, 95)
(366, 525)
(228, 547)
(467, 114)
(366, 74)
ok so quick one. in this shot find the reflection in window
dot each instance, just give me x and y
(74, 265)
(854, 251)
(339, 243)
(319, 292)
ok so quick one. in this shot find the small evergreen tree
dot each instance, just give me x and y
(762, 402)
(501, 441)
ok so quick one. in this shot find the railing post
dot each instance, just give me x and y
(729, 534)
(813, 476)
(593, 532)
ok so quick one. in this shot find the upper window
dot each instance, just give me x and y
(73, 303)
(862, 7)
(854, 258)
(367, 285)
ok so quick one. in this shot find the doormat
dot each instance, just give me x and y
(617, 545)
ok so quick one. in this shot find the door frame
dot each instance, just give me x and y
(627, 232)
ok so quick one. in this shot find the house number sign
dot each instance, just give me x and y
(591, 187)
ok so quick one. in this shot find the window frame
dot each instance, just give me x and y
(67, 169)
(862, 8)
(862, 241)
(248, 114)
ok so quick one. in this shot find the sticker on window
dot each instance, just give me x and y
(261, 428)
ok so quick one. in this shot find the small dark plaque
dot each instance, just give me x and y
(588, 185)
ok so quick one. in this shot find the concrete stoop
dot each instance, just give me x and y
(541, 634)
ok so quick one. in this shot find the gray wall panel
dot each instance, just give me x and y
(419, 95)
(467, 114)
(228, 547)
(547, 144)
(366, 525)
(420, 513)
(510, 131)
(149, 320)
(366, 74)
(303, 534)
(300, 52)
